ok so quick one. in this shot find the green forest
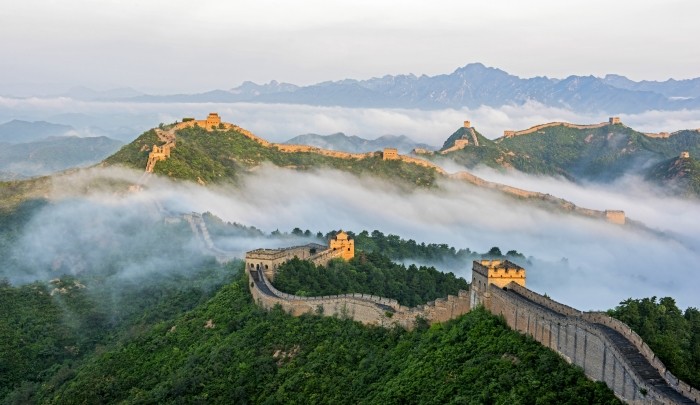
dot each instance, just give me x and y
(228, 350)
(368, 273)
(193, 335)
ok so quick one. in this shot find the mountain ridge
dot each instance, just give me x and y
(589, 152)
(53, 154)
(223, 152)
(471, 86)
(20, 131)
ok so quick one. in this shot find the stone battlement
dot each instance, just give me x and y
(499, 272)
(365, 308)
(615, 216)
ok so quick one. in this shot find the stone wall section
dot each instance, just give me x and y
(365, 308)
(162, 152)
(581, 339)
(611, 121)
(287, 148)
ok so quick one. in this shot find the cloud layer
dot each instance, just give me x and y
(280, 122)
(587, 263)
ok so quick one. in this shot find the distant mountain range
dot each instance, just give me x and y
(53, 154)
(471, 86)
(355, 144)
(18, 131)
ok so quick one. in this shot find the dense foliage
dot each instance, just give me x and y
(231, 351)
(683, 174)
(368, 273)
(48, 328)
(222, 155)
(17, 192)
(673, 335)
(397, 248)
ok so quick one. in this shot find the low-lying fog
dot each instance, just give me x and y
(280, 122)
(586, 263)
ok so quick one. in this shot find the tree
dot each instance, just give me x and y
(494, 252)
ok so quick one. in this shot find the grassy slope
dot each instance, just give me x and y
(221, 156)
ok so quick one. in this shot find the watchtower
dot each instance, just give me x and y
(213, 120)
(390, 154)
(467, 124)
(685, 155)
(497, 272)
(346, 245)
(614, 120)
(615, 216)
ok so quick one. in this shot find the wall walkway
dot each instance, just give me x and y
(606, 349)
(365, 308)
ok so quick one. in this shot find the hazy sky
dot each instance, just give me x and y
(177, 45)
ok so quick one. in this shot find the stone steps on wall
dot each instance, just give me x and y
(633, 357)
(641, 365)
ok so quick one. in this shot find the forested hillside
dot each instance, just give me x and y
(600, 154)
(230, 351)
(197, 337)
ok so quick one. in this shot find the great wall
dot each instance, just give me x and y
(213, 123)
(606, 349)
(611, 121)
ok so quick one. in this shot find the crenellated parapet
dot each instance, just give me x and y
(365, 308)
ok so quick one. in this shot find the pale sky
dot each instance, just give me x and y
(174, 46)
